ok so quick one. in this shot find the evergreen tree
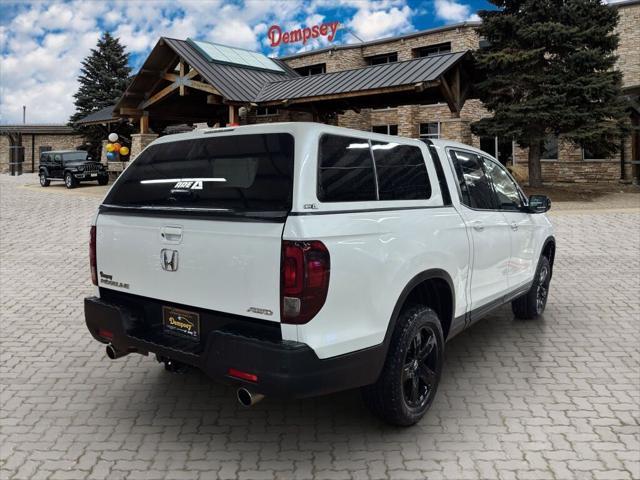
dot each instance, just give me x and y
(549, 69)
(103, 78)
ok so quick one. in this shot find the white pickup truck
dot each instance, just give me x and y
(298, 259)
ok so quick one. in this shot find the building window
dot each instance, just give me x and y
(594, 153)
(430, 130)
(309, 70)
(549, 148)
(432, 50)
(381, 59)
(266, 111)
(385, 129)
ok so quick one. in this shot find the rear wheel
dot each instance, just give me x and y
(44, 181)
(411, 374)
(533, 303)
(69, 180)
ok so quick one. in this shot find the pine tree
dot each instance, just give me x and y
(549, 69)
(103, 78)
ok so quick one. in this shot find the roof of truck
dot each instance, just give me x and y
(301, 128)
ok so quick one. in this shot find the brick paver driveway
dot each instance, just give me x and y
(552, 398)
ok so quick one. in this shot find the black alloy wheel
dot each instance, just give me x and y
(532, 304)
(419, 376)
(409, 379)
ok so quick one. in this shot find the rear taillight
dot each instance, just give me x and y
(304, 280)
(92, 255)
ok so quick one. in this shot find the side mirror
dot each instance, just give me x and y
(539, 204)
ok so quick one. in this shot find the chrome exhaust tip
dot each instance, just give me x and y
(113, 352)
(247, 398)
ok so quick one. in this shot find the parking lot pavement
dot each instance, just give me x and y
(554, 398)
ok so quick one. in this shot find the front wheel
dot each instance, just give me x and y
(411, 373)
(533, 303)
(44, 181)
(69, 180)
(103, 180)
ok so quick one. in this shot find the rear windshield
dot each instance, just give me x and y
(240, 174)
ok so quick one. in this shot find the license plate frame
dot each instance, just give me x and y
(181, 322)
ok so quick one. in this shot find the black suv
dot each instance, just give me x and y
(72, 166)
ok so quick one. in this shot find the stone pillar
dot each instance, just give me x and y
(139, 142)
(103, 152)
(408, 125)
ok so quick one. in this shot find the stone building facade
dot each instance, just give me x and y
(35, 139)
(571, 163)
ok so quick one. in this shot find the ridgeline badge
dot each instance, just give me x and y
(276, 36)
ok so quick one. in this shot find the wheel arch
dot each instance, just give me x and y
(549, 250)
(433, 288)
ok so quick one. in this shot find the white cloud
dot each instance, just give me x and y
(452, 11)
(370, 24)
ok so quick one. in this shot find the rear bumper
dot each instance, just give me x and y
(284, 368)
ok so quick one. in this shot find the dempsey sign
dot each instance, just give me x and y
(277, 36)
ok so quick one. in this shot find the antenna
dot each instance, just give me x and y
(348, 30)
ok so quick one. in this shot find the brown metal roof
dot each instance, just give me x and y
(388, 75)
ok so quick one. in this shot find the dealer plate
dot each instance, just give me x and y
(182, 322)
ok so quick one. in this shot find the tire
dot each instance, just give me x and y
(408, 383)
(532, 304)
(44, 181)
(70, 181)
(103, 180)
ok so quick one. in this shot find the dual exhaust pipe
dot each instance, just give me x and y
(245, 397)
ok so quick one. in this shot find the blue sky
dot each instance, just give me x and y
(42, 43)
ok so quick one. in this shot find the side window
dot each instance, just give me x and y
(505, 188)
(475, 186)
(57, 158)
(402, 173)
(345, 170)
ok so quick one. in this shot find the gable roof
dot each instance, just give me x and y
(234, 82)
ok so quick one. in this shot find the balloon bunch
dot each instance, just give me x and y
(114, 148)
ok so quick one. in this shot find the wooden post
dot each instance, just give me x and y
(144, 122)
(233, 115)
(181, 79)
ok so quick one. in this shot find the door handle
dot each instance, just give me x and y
(477, 225)
(514, 226)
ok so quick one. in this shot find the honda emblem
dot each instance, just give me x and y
(169, 259)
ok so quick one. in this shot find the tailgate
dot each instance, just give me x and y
(198, 221)
(226, 266)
